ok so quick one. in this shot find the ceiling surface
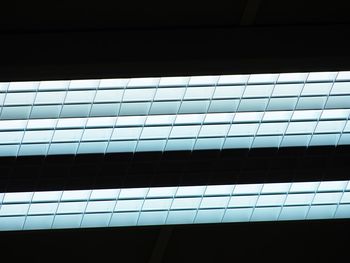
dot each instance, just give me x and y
(88, 39)
(79, 15)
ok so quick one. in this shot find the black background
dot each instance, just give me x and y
(95, 39)
(153, 169)
(275, 242)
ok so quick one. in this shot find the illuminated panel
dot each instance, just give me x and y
(174, 205)
(174, 113)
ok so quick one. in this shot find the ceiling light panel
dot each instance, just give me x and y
(174, 205)
(174, 113)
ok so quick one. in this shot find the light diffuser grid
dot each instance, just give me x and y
(174, 113)
(174, 205)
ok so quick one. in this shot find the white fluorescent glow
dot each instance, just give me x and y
(174, 205)
(174, 113)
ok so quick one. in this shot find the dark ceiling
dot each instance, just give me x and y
(88, 15)
(296, 241)
(78, 15)
(89, 39)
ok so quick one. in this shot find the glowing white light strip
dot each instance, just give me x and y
(174, 113)
(174, 205)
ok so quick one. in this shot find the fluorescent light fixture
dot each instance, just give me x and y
(174, 205)
(174, 113)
